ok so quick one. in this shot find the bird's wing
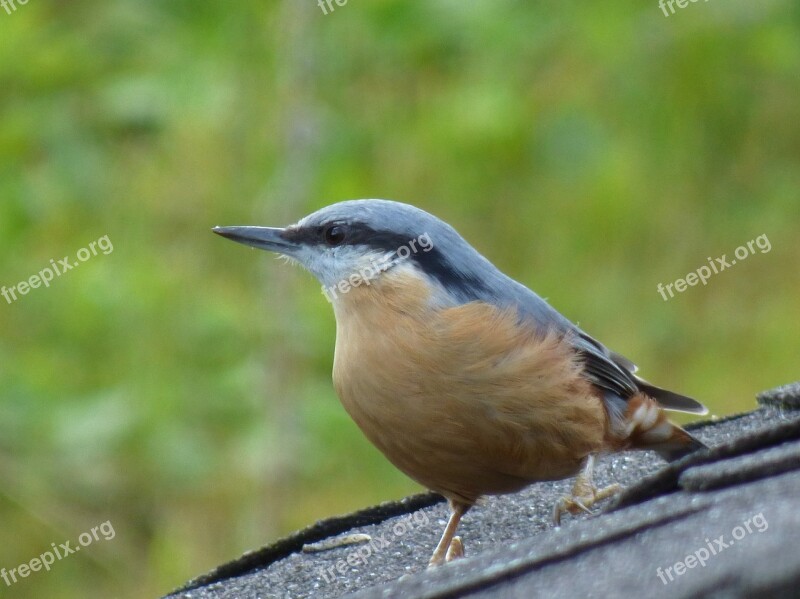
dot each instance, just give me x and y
(671, 400)
(602, 369)
(616, 373)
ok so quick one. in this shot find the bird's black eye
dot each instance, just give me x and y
(334, 235)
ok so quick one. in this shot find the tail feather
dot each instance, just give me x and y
(667, 399)
(683, 445)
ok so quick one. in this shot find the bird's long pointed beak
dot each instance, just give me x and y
(265, 238)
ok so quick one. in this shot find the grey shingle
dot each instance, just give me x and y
(786, 396)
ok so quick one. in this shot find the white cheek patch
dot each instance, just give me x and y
(344, 268)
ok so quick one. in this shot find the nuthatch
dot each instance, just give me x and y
(466, 380)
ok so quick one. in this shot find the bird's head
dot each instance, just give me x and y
(362, 239)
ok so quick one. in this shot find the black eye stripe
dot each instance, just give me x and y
(354, 234)
(433, 261)
(303, 235)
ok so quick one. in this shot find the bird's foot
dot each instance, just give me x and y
(454, 551)
(577, 503)
(450, 547)
(584, 494)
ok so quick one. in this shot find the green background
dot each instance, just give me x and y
(180, 385)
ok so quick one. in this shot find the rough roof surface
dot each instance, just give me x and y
(734, 508)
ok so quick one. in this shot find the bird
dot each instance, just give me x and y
(465, 379)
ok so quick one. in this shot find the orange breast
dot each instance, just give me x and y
(464, 400)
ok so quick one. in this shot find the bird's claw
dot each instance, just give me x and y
(583, 497)
(456, 550)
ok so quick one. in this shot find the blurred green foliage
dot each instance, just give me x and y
(180, 386)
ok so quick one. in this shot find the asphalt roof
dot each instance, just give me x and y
(723, 522)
